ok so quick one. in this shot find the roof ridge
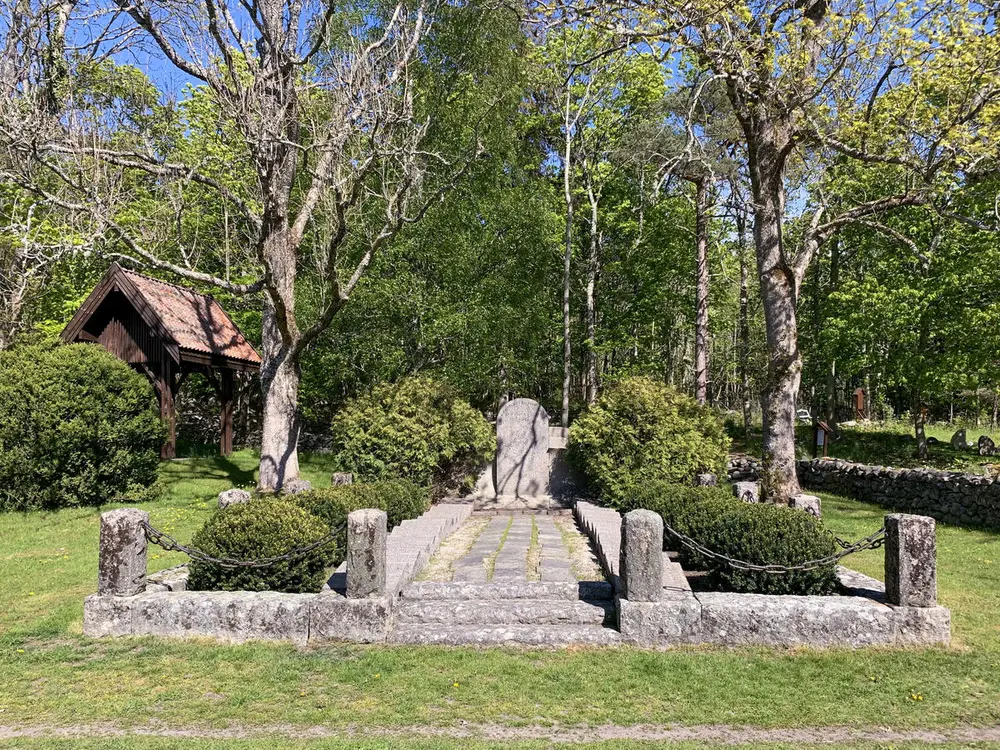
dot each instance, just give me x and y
(166, 283)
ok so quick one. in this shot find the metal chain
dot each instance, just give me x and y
(873, 541)
(169, 544)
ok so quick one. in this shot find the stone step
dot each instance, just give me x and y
(455, 590)
(509, 612)
(503, 635)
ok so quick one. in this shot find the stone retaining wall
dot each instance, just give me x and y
(952, 497)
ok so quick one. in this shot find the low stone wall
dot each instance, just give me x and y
(952, 497)
(863, 616)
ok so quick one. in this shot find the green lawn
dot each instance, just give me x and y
(887, 444)
(51, 675)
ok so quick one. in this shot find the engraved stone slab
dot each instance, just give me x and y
(522, 463)
(748, 492)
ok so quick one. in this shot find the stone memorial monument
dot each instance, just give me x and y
(522, 464)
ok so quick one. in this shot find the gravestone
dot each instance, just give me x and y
(986, 446)
(958, 440)
(748, 492)
(522, 463)
(706, 480)
(341, 479)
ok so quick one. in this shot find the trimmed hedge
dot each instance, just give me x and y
(760, 533)
(259, 528)
(77, 427)
(640, 430)
(417, 429)
(400, 499)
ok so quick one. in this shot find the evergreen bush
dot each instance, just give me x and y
(758, 533)
(417, 429)
(77, 427)
(639, 431)
(399, 498)
(261, 528)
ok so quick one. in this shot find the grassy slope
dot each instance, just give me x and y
(52, 675)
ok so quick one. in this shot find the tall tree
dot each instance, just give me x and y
(324, 107)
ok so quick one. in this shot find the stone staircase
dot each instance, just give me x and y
(516, 613)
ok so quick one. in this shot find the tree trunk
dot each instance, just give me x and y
(778, 292)
(593, 268)
(567, 261)
(279, 380)
(701, 293)
(744, 325)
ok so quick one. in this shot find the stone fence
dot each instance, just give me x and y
(951, 497)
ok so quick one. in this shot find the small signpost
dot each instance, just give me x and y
(821, 439)
(859, 404)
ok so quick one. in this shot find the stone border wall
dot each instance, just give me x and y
(861, 617)
(948, 496)
(162, 607)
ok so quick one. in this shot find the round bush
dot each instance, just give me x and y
(762, 534)
(399, 498)
(639, 431)
(260, 528)
(417, 429)
(77, 427)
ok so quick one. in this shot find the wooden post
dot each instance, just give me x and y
(226, 415)
(168, 409)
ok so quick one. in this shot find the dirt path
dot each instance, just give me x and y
(718, 734)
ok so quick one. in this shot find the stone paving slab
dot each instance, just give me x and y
(504, 612)
(554, 560)
(586, 590)
(472, 568)
(512, 561)
(530, 636)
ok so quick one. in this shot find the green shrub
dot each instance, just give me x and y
(640, 431)
(762, 534)
(77, 427)
(416, 429)
(260, 528)
(399, 498)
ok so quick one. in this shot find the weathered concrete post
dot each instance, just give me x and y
(642, 556)
(910, 561)
(366, 553)
(121, 566)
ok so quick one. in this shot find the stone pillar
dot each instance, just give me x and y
(121, 566)
(706, 480)
(809, 503)
(341, 478)
(641, 567)
(366, 553)
(747, 491)
(910, 561)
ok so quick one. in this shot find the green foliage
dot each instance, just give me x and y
(262, 527)
(641, 430)
(399, 498)
(762, 534)
(416, 429)
(77, 427)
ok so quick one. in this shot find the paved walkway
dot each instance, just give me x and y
(518, 548)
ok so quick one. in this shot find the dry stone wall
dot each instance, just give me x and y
(951, 497)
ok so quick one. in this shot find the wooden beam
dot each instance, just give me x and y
(168, 408)
(226, 416)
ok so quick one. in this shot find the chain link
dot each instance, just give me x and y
(169, 544)
(874, 541)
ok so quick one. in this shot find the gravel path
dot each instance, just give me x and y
(715, 733)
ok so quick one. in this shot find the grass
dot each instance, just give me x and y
(888, 444)
(360, 743)
(51, 675)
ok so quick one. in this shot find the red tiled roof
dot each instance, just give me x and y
(195, 321)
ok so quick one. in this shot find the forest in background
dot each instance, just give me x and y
(587, 212)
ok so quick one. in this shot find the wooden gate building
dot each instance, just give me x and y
(166, 332)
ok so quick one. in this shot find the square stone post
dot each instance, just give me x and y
(121, 566)
(642, 556)
(366, 553)
(910, 561)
